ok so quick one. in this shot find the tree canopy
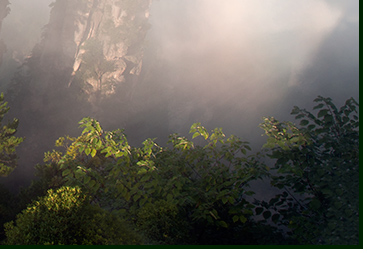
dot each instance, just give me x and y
(98, 189)
(8, 141)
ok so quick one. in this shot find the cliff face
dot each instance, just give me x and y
(88, 61)
(89, 48)
(98, 44)
(4, 11)
(109, 46)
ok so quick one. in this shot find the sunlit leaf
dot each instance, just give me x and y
(93, 152)
(195, 135)
(87, 151)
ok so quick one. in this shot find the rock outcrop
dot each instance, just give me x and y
(89, 47)
(86, 64)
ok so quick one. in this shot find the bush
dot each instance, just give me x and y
(206, 185)
(162, 223)
(64, 217)
(317, 168)
(8, 141)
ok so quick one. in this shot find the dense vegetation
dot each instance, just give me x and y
(8, 141)
(97, 189)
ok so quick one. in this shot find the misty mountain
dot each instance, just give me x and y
(156, 67)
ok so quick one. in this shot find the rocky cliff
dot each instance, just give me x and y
(89, 47)
(88, 61)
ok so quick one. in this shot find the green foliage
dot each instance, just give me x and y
(48, 176)
(206, 185)
(8, 142)
(283, 134)
(162, 223)
(65, 217)
(187, 193)
(317, 167)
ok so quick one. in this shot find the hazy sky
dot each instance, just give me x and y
(234, 61)
(222, 60)
(22, 27)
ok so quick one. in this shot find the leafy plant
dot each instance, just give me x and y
(8, 142)
(65, 217)
(204, 185)
(317, 167)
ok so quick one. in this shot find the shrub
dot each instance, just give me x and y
(65, 216)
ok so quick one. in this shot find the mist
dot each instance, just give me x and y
(230, 63)
(21, 30)
(222, 63)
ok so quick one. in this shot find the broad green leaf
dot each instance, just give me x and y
(304, 122)
(142, 201)
(295, 110)
(300, 116)
(235, 218)
(294, 139)
(322, 113)
(169, 197)
(195, 135)
(223, 224)
(146, 177)
(66, 172)
(259, 210)
(92, 183)
(224, 200)
(205, 134)
(86, 179)
(136, 197)
(318, 99)
(275, 218)
(243, 219)
(231, 200)
(93, 152)
(266, 214)
(127, 196)
(96, 188)
(337, 204)
(328, 119)
(315, 204)
(87, 151)
(318, 106)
